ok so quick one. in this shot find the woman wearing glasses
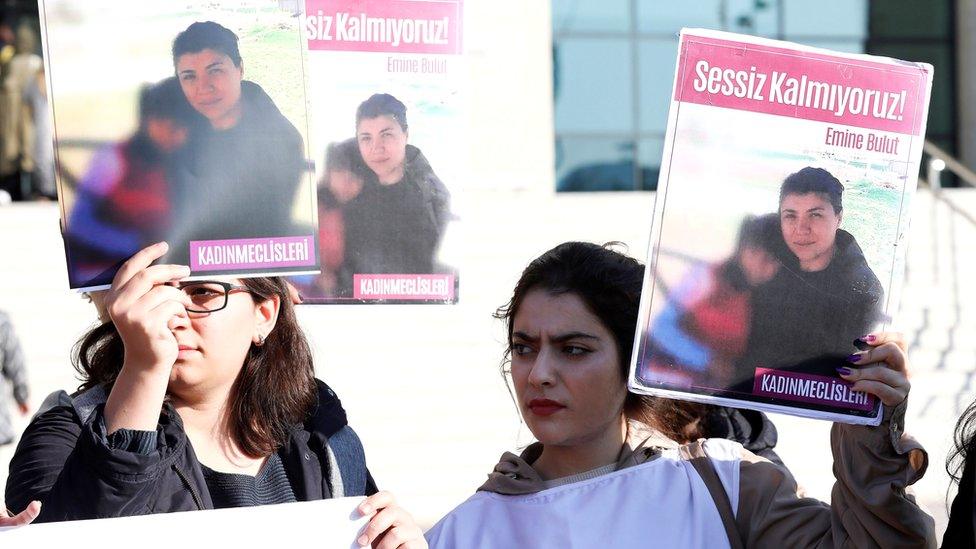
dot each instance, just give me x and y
(196, 395)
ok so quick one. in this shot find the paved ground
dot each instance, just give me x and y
(422, 385)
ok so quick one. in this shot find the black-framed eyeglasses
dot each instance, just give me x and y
(208, 296)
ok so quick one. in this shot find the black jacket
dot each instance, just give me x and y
(961, 531)
(64, 461)
(396, 229)
(808, 321)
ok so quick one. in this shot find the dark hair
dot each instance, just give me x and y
(339, 158)
(383, 104)
(753, 234)
(165, 100)
(964, 447)
(814, 180)
(207, 35)
(274, 390)
(608, 282)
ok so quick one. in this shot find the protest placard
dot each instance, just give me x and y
(780, 224)
(386, 109)
(184, 122)
(325, 523)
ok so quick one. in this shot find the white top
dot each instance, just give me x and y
(661, 503)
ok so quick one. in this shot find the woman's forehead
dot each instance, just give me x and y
(543, 313)
(204, 57)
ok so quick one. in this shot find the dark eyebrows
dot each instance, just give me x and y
(561, 338)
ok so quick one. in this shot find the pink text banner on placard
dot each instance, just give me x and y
(810, 388)
(802, 84)
(392, 26)
(252, 253)
(404, 286)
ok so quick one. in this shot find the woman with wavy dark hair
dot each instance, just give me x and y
(961, 466)
(600, 476)
(195, 395)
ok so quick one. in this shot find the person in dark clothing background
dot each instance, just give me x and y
(823, 297)
(241, 169)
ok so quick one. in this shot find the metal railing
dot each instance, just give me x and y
(936, 161)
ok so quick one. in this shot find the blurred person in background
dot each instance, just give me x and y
(17, 131)
(601, 475)
(12, 373)
(15, 374)
(123, 202)
(42, 178)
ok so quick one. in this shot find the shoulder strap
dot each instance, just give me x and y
(695, 454)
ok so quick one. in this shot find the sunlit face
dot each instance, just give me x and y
(212, 346)
(758, 265)
(383, 145)
(566, 370)
(212, 84)
(809, 227)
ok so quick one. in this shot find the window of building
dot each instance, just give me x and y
(613, 67)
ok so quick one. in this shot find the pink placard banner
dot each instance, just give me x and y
(393, 26)
(252, 253)
(403, 286)
(809, 388)
(801, 84)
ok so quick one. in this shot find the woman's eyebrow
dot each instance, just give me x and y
(561, 338)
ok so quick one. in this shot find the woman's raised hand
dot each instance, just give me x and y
(882, 370)
(390, 527)
(146, 311)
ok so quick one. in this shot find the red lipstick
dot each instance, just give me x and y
(544, 406)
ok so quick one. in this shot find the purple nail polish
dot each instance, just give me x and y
(869, 338)
(844, 371)
(854, 358)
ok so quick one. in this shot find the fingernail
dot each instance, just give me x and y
(854, 358)
(869, 338)
(365, 509)
(362, 541)
(844, 371)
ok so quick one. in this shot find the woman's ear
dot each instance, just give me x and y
(265, 317)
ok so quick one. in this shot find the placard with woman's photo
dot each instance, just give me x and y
(185, 123)
(778, 238)
(386, 111)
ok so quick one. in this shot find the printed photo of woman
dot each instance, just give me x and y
(824, 296)
(239, 174)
